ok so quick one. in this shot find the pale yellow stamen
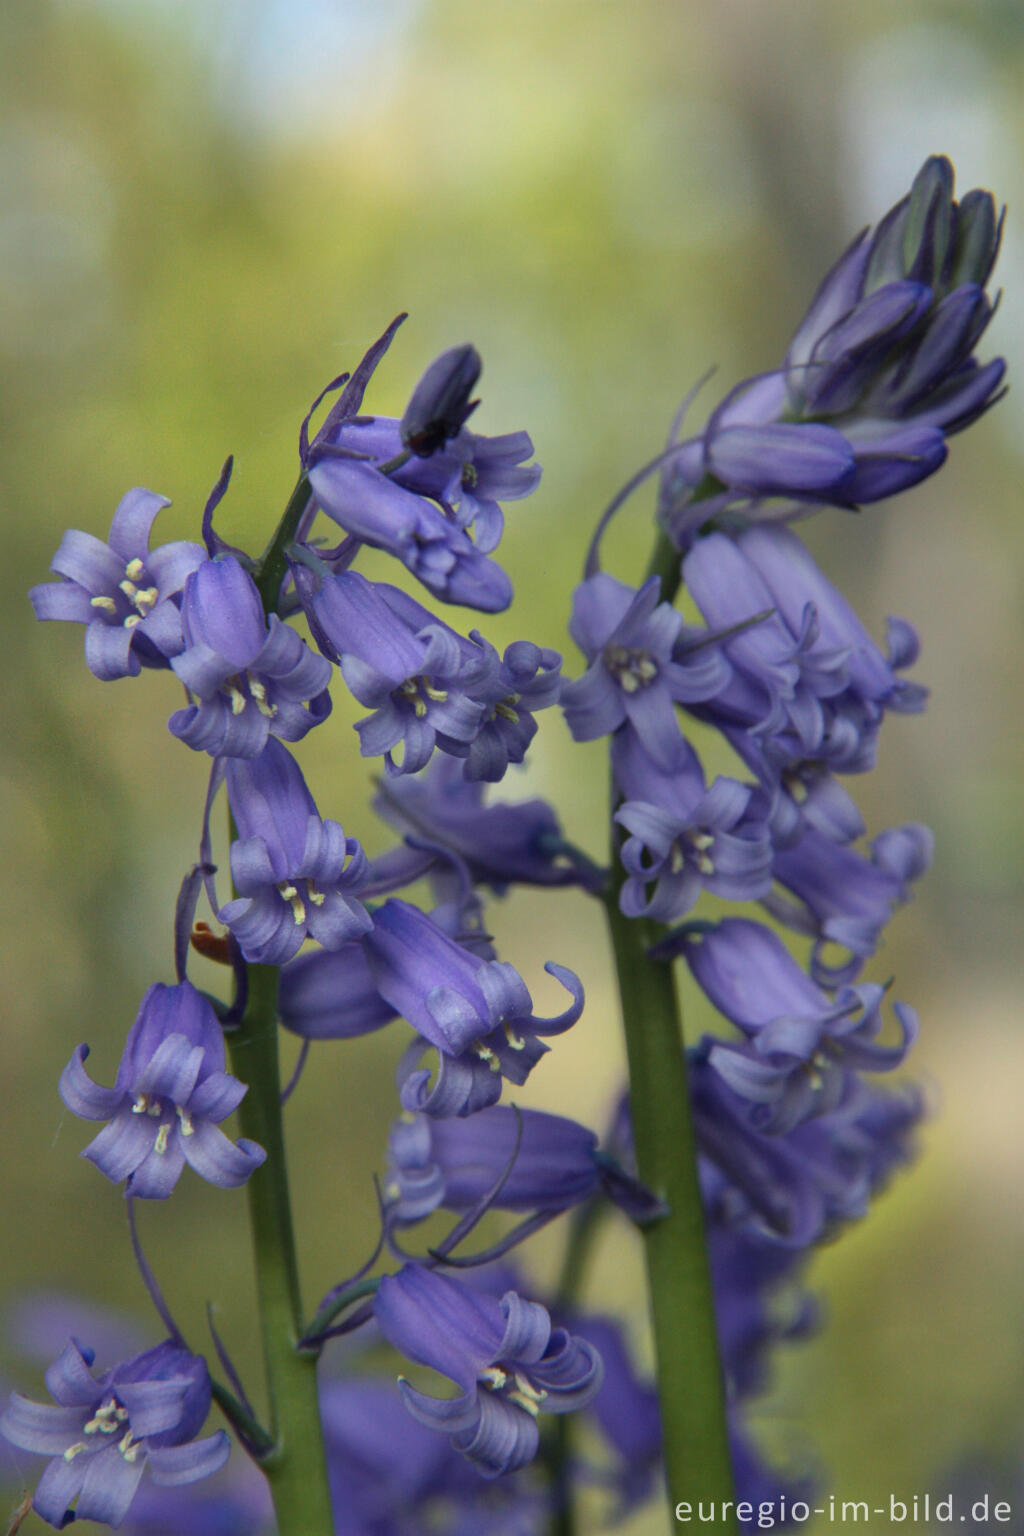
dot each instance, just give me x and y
(524, 1402)
(237, 698)
(514, 1040)
(75, 1450)
(294, 900)
(259, 694)
(130, 1447)
(146, 599)
(160, 1145)
(486, 1054)
(106, 603)
(505, 708)
(128, 588)
(141, 1104)
(316, 897)
(187, 1128)
(132, 619)
(134, 568)
(528, 1389)
(494, 1377)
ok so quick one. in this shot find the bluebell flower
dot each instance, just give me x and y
(169, 1097)
(501, 843)
(251, 680)
(843, 898)
(102, 1432)
(801, 1043)
(126, 595)
(808, 684)
(468, 479)
(685, 837)
(440, 405)
(509, 1361)
(392, 1476)
(639, 667)
(295, 874)
(476, 1013)
(427, 686)
(378, 510)
(454, 1163)
(331, 995)
(881, 370)
(625, 1410)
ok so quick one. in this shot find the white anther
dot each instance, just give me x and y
(316, 897)
(75, 1450)
(494, 1377)
(130, 1447)
(524, 1402)
(486, 1054)
(146, 599)
(705, 865)
(259, 694)
(528, 1389)
(106, 603)
(160, 1145)
(141, 1104)
(291, 895)
(702, 840)
(514, 1040)
(187, 1128)
(238, 699)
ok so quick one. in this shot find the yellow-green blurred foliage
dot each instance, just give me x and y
(208, 211)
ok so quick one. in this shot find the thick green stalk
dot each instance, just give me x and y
(296, 1468)
(690, 1382)
(690, 1385)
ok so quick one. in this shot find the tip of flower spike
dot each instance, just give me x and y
(440, 403)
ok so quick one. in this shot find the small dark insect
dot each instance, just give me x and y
(20, 1515)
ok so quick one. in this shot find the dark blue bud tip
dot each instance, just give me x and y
(440, 403)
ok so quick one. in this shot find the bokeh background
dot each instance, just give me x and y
(209, 210)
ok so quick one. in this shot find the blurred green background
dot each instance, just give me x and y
(210, 209)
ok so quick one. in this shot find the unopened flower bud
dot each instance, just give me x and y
(440, 402)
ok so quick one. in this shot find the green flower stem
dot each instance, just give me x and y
(690, 1385)
(296, 1467)
(273, 563)
(691, 1388)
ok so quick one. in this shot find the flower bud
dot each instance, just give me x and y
(440, 402)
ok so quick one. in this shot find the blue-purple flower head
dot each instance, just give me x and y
(295, 873)
(880, 372)
(506, 1357)
(800, 1043)
(427, 686)
(640, 667)
(477, 1014)
(126, 595)
(807, 683)
(684, 837)
(250, 680)
(102, 1432)
(169, 1097)
(548, 1162)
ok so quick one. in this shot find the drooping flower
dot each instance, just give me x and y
(454, 1163)
(881, 371)
(843, 898)
(685, 837)
(294, 872)
(169, 1097)
(252, 680)
(428, 686)
(103, 1432)
(800, 1043)
(502, 843)
(378, 510)
(125, 594)
(808, 685)
(639, 669)
(476, 1013)
(509, 1361)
